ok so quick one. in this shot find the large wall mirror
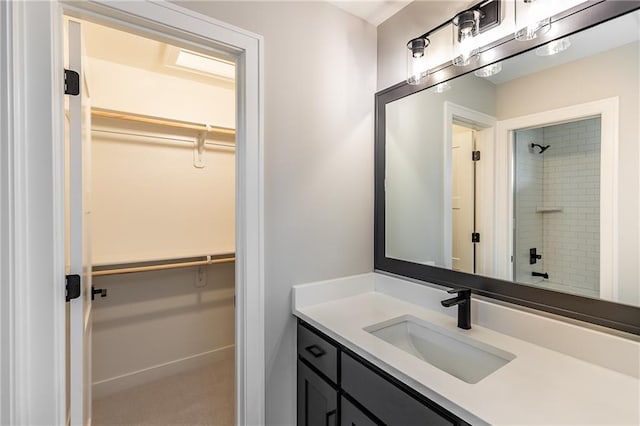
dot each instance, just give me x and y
(520, 179)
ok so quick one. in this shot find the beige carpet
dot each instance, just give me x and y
(199, 397)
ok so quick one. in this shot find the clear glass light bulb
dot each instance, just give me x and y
(465, 30)
(442, 87)
(553, 47)
(489, 70)
(531, 20)
(417, 67)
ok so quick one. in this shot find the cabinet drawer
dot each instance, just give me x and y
(385, 400)
(350, 415)
(318, 352)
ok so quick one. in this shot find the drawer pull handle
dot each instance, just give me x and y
(315, 350)
(329, 414)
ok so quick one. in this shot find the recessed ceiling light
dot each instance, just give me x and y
(205, 64)
(489, 70)
(554, 47)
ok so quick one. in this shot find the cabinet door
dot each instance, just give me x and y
(317, 400)
(389, 403)
(350, 415)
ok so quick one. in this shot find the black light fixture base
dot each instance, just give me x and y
(489, 15)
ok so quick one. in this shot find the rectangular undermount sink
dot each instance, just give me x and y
(461, 356)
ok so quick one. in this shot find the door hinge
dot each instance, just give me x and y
(73, 287)
(71, 83)
(475, 237)
(475, 155)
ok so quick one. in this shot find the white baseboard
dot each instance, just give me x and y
(156, 372)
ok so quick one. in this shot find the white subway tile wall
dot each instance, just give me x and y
(528, 196)
(567, 178)
(571, 238)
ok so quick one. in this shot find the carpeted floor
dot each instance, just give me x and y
(199, 397)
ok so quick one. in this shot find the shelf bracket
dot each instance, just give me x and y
(198, 150)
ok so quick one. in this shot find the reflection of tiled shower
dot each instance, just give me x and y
(557, 206)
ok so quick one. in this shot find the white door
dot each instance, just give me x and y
(79, 193)
(462, 200)
(482, 206)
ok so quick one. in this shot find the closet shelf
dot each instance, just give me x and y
(216, 130)
(166, 264)
(549, 209)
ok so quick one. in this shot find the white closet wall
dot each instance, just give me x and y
(149, 202)
(126, 88)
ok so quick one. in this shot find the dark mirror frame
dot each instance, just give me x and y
(595, 311)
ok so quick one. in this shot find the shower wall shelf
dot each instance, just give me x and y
(549, 209)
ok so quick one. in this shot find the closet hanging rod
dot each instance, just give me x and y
(230, 145)
(161, 266)
(224, 131)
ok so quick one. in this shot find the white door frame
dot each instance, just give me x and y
(32, 306)
(607, 109)
(454, 112)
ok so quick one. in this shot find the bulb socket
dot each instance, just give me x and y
(417, 46)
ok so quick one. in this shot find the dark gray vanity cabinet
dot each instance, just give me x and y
(350, 415)
(317, 399)
(336, 387)
(317, 380)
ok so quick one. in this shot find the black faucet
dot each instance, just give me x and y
(534, 256)
(540, 274)
(463, 300)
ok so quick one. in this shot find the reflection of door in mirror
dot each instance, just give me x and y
(462, 199)
(556, 239)
(468, 189)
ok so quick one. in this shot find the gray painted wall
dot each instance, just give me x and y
(415, 167)
(320, 70)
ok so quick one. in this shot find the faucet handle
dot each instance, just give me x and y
(466, 292)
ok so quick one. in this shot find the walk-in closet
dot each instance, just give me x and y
(162, 229)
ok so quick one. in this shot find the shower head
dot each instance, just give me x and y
(542, 148)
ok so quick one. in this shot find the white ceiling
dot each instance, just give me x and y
(373, 11)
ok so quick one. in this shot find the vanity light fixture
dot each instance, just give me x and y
(531, 19)
(417, 67)
(554, 47)
(466, 26)
(489, 70)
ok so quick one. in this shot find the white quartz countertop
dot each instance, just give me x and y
(539, 387)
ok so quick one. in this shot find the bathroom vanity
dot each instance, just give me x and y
(549, 371)
(330, 375)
